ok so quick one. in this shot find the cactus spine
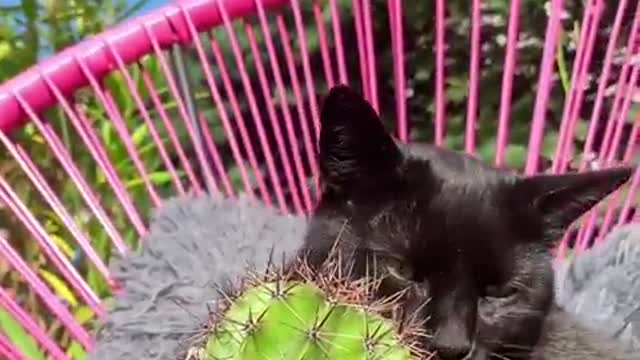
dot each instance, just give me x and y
(303, 314)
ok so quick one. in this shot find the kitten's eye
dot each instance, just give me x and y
(503, 291)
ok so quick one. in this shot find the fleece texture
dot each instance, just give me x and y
(198, 245)
(195, 247)
(601, 286)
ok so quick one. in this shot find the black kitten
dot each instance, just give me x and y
(472, 239)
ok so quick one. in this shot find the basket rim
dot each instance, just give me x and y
(167, 23)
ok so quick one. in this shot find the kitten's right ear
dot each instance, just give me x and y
(562, 199)
(355, 149)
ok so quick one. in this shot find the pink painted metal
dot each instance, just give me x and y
(273, 118)
(507, 82)
(474, 78)
(440, 76)
(282, 98)
(544, 88)
(129, 40)
(7, 302)
(269, 123)
(56, 307)
(9, 351)
(251, 99)
(395, 16)
(337, 33)
(302, 114)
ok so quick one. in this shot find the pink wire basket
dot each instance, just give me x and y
(223, 97)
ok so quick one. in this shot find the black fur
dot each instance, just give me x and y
(472, 240)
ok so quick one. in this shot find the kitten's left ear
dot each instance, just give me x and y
(561, 199)
(356, 152)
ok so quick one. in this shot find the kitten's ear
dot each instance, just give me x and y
(561, 199)
(355, 150)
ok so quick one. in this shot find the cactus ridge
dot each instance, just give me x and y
(293, 311)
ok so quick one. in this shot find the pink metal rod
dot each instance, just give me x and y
(337, 34)
(395, 11)
(587, 227)
(474, 79)
(128, 39)
(18, 313)
(170, 129)
(248, 91)
(51, 301)
(238, 118)
(370, 53)
(222, 112)
(295, 84)
(440, 75)
(544, 88)
(507, 82)
(598, 106)
(574, 97)
(271, 110)
(324, 45)
(364, 73)
(8, 351)
(311, 92)
(282, 97)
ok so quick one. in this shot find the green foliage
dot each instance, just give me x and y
(34, 30)
(30, 32)
(19, 336)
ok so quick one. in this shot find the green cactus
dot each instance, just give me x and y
(309, 315)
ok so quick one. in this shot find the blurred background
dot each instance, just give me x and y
(32, 30)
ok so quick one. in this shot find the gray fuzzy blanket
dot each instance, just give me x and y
(197, 245)
(602, 286)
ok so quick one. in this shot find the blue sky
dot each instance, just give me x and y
(150, 5)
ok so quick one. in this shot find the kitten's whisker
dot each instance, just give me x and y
(511, 346)
(499, 356)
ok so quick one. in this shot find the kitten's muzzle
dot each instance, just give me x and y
(454, 347)
(472, 353)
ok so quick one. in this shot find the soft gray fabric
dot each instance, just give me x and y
(602, 286)
(195, 246)
(198, 244)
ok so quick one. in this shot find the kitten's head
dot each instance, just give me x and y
(472, 240)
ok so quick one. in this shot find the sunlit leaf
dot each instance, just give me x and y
(5, 49)
(139, 134)
(59, 287)
(19, 337)
(549, 144)
(157, 178)
(516, 156)
(83, 314)
(63, 245)
(76, 352)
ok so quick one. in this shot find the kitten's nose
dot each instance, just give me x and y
(453, 345)
(454, 353)
(453, 341)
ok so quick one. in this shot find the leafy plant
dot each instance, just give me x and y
(32, 30)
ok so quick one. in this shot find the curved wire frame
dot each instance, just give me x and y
(249, 123)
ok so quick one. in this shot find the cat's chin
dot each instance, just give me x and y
(478, 353)
(482, 353)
